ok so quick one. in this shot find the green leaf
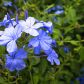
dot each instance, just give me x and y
(74, 43)
(3, 81)
(78, 37)
(49, 6)
(36, 78)
(34, 60)
(57, 33)
(81, 52)
(67, 38)
(2, 50)
(60, 43)
(71, 14)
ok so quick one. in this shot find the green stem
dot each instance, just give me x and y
(81, 25)
(31, 77)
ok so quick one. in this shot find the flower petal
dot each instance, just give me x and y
(53, 57)
(11, 46)
(48, 26)
(18, 30)
(4, 40)
(21, 54)
(9, 63)
(20, 64)
(30, 21)
(34, 42)
(22, 23)
(13, 24)
(37, 25)
(9, 31)
(1, 33)
(44, 45)
(5, 17)
(37, 50)
(32, 32)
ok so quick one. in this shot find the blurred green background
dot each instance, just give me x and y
(68, 31)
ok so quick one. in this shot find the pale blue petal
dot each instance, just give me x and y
(34, 42)
(37, 50)
(13, 24)
(48, 41)
(5, 17)
(11, 46)
(9, 32)
(59, 12)
(48, 52)
(30, 21)
(22, 23)
(14, 64)
(18, 31)
(20, 64)
(9, 63)
(42, 33)
(32, 32)
(48, 26)
(44, 45)
(1, 33)
(49, 58)
(21, 54)
(4, 40)
(57, 61)
(37, 25)
(53, 57)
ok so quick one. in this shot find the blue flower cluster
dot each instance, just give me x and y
(7, 3)
(41, 40)
(57, 10)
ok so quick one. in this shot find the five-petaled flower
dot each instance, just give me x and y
(42, 40)
(9, 37)
(29, 26)
(15, 61)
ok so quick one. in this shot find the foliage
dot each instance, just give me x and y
(68, 32)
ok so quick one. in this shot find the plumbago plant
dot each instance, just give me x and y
(41, 41)
(44, 45)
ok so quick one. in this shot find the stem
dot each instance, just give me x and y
(31, 77)
(81, 25)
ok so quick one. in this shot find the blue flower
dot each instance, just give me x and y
(9, 37)
(81, 80)
(7, 3)
(6, 21)
(66, 49)
(48, 26)
(16, 60)
(42, 40)
(57, 8)
(29, 26)
(59, 12)
(52, 57)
